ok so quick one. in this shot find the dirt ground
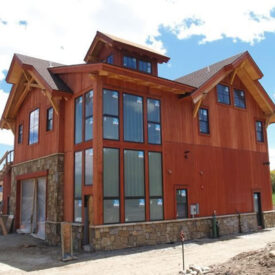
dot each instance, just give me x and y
(20, 254)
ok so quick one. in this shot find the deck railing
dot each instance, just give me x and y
(6, 159)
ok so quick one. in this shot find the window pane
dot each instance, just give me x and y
(223, 94)
(110, 127)
(111, 211)
(20, 133)
(110, 102)
(154, 131)
(134, 173)
(77, 175)
(203, 119)
(133, 118)
(89, 166)
(77, 210)
(88, 128)
(259, 131)
(155, 174)
(181, 198)
(78, 120)
(153, 110)
(111, 172)
(89, 104)
(239, 98)
(134, 210)
(144, 66)
(110, 59)
(156, 209)
(34, 126)
(49, 119)
(129, 62)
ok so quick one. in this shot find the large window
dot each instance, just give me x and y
(78, 120)
(203, 121)
(89, 166)
(77, 186)
(20, 134)
(34, 126)
(133, 118)
(49, 125)
(110, 115)
(153, 121)
(89, 115)
(111, 202)
(145, 66)
(239, 98)
(259, 131)
(155, 186)
(134, 185)
(223, 93)
(129, 62)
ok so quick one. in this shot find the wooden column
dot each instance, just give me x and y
(97, 211)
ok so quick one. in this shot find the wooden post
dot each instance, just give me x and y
(3, 227)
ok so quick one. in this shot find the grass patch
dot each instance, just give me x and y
(273, 198)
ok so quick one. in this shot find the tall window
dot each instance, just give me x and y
(259, 131)
(89, 115)
(223, 94)
(145, 66)
(153, 121)
(20, 134)
(133, 118)
(34, 126)
(155, 186)
(78, 120)
(89, 166)
(203, 121)
(77, 186)
(49, 125)
(110, 115)
(111, 202)
(129, 62)
(134, 185)
(182, 206)
(239, 98)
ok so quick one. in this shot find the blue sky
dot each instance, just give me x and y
(193, 33)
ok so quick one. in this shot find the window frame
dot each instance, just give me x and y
(87, 117)
(20, 133)
(81, 124)
(119, 183)
(208, 121)
(111, 116)
(234, 101)
(138, 67)
(262, 132)
(128, 56)
(47, 119)
(144, 185)
(84, 166)
(217, 94)
(38, 128)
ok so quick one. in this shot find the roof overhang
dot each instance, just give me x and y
(120, 73)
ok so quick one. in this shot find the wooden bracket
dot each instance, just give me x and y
(198, 104)
(54, 101)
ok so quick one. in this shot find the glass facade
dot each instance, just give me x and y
(144, 66)
(89, 115)
(89, 166)
(34, 126)
(130, 62)
(78, 120)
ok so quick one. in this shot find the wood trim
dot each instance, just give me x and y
(38, 174)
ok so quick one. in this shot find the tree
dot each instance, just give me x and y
(272, 176)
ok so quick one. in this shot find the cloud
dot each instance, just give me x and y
(272, 158)
(6, 137)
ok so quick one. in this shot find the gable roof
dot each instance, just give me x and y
(199, 77)
(103, 38)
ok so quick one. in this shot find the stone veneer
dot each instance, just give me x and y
(269, 218)
(54, 164)
(119, 236)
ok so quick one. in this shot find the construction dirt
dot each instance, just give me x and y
(21, 254)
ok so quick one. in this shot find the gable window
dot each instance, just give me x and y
(259, 131)
(34, 126)
(153, 121)
(110, 115)
(223, 93)
(203, 121)
(239, 99)
(133, 118)
(49, 126)
(129, 62)
(89, 115)
(20, 134)
(110, 59)
(145, 66)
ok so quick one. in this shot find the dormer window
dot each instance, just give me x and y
(130, 62)
(110, 59)
(145, 66)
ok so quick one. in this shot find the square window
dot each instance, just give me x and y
(223, 94)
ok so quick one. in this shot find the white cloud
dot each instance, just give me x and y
(272, 158)
(6, 137)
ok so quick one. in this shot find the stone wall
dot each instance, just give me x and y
(54, 165)
(110, 237)
(269, 218)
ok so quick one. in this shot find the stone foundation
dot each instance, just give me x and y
(269, 218)
(119, 236)
(54, 165)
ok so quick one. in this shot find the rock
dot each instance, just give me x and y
(197, 269)
(272, 254)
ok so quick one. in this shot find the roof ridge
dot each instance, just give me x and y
(40, 59)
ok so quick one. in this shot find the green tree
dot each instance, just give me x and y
(272, 176)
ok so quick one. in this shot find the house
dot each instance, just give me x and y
(130, 158)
